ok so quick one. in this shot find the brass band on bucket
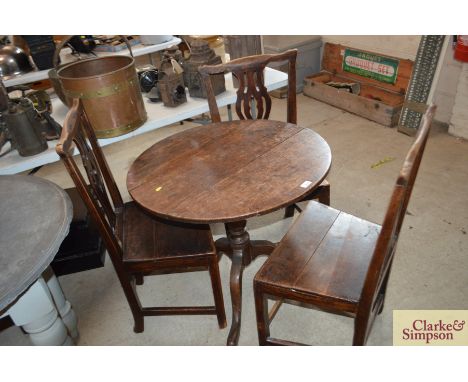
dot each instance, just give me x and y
(124, 129)
(102, 92)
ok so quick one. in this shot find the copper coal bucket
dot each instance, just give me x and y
(110, 92)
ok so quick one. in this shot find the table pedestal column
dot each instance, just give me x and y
(239, 252)
(242, 251)
(63, 305)
(36, 313)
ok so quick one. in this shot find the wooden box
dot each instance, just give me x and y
(383, 81)
(83, 248)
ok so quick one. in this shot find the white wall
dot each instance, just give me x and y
(459, 119)
(446, 89)
(397, 46)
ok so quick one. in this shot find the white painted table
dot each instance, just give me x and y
(158, 116)
(35, 216)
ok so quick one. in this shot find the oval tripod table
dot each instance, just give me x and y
(35, 217)
(228, 172)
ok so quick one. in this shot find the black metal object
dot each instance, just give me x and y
(351, 87)
(148, 77)
(20, 124)
(42, 50)
(82, 44)
(83, 248)
(13, 62)
(26, 121)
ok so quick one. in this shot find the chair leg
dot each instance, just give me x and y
(139, 280)
(217, 292)
(359, 338)
(139, 325)
(261, 310)
(136, 308)
(382, 306)
(324, 195)
(383, 292)
(129, 288)
(289, 211)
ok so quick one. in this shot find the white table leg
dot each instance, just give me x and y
(35, 312)
(63, 305)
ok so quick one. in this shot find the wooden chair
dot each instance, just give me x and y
(252, 91)
(138, 244)
(337, 262)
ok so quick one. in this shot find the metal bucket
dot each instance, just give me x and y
(108, 87)
(52, 73)
(110, 92)
(58, 87)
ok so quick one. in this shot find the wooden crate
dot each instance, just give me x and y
(378, 101)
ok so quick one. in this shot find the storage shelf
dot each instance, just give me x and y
(66, 56)
(158, 116)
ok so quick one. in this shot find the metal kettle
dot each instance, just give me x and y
(26, 128)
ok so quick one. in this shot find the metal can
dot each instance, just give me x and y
(110, 93)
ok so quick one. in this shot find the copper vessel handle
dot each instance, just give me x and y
(69, 37)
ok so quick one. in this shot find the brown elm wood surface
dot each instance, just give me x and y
(227, 172)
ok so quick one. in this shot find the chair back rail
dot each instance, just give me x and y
(249, 72)
(96, 182)
(77, 130)
(98, 189)
(380, 265)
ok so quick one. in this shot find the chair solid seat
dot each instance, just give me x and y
(138, 243)
(148, 239)
(338, 262)
(325, 254)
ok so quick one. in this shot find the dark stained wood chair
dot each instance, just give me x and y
(337, 262)
(138, 244)
(252, 91)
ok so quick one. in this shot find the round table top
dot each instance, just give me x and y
(35, 217)
(229, 171)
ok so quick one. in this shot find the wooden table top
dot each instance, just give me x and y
(35, 216)
(229, 171)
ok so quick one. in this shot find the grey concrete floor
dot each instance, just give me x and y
(429, 271)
